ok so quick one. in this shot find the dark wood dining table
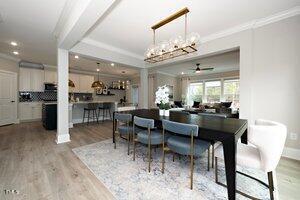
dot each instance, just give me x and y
(226, 130)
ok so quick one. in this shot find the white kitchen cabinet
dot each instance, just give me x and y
(85, 83)
(75, 79)
(50, 76)
(82, 83)
(24, 79)
(31, 80)
(30, 110)
(37, 80)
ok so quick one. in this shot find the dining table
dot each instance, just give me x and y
(225, 130)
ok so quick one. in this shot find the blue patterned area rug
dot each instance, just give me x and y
(128, 179)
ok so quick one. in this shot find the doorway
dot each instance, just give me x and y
(8, 98)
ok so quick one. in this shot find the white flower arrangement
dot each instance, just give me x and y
(162, 97)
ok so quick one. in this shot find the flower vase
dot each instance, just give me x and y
(161, 112)
(167, 113)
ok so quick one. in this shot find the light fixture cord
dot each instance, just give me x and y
(153, 36)
(185, 26)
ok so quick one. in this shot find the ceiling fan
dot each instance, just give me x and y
(198, 69)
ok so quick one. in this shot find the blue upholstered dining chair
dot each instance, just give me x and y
(150, 136)
(184, 145)
(124, 129)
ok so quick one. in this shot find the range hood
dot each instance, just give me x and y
(27, 64)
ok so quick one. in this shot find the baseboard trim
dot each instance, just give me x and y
(62, 138)
(291, 153)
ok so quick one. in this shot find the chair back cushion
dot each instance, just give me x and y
(269, 137)
(143, 122)
(123, 117)
(180, 128)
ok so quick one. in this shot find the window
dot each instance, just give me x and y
(195, 93)
(231, 90)
(213, 91)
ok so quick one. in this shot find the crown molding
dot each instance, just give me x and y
(111, 48)
(254, 24)
(9, 57)
(167, 74)
(245, 26)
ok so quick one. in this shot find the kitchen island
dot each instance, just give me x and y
(75, 111)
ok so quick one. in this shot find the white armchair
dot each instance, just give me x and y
(268, 138)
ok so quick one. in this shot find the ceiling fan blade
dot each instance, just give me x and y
(209, 68)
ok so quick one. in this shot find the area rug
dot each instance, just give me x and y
(128, 179)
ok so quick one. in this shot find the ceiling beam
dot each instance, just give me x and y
(78, 18)
(104, 52)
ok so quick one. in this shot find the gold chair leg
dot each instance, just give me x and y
(149, 156)
(173, 157)
(128, 142)
(133, 149)
(216, 169)
(208, 155)
(192, 170)
(163, 159)
(212, 155)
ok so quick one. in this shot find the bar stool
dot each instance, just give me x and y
(105, 107)
(91, 107)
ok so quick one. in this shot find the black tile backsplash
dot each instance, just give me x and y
(50, 96)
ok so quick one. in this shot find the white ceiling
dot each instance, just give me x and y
(30, 23)
(221, 63)
(90, 65)
(128, 25)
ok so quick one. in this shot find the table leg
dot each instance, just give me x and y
(244, 137)
(229, 148)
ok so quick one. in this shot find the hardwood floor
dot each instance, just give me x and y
(33, 164)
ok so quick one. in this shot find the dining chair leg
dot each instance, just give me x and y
(192, 170)
(88, 116)
(271, 185)
(173, 157)
(216, 169)
(208, 156)
(212, 155)
(133, 149)
(128, 143)
(149, 156)
(83, 116)
(163, 159)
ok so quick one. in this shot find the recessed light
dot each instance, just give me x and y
(13, 43)
(112, 64)
(98, 70)
(76, 56)
(16, 53)
(182, 73)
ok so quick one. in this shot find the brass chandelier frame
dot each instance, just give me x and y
(178, 51)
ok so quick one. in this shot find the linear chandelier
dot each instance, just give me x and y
(177, 46)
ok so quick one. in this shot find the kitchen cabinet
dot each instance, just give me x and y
(85, 83)
(30, 110)
(82, 83)
(50, 76)
(31, 80)
(75, 79)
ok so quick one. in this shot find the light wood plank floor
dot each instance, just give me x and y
(32, 163)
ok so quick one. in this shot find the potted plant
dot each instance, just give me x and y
(162, 100)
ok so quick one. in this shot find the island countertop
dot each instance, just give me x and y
(80, 102)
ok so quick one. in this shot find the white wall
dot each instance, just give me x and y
(276, 74)
(269, 72)
(9, 65)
